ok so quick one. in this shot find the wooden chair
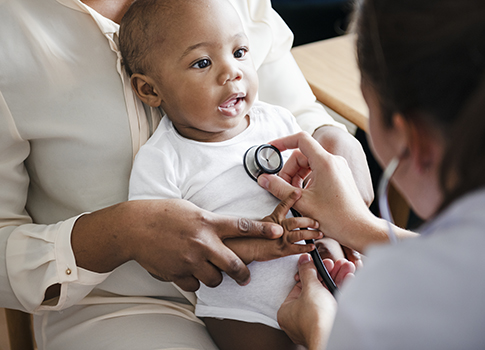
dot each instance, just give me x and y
(20, 330)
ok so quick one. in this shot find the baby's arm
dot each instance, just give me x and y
(253, 249)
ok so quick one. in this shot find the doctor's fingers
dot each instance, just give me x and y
(312, 153)
(307, 274)
(340, 270)
(353, 256)
(296, 169)
(276, 186)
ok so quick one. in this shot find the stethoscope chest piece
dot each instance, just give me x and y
(263, 159)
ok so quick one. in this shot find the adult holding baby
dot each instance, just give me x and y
(70, 126)
(423, 78)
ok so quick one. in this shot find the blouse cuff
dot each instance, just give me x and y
(311, 121)
(50, 261)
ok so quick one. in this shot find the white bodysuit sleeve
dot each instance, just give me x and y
(33, 257)
(153, 174)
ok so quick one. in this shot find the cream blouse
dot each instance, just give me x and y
(69, 129)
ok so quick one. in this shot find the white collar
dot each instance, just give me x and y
(106, 25)
(467, 206)
(140, 130)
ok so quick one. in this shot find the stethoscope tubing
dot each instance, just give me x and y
(318, 262)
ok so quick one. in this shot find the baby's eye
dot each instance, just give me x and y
(240, 53)
(204, 63)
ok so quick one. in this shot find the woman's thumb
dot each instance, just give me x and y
(307, 271)
(275, 185)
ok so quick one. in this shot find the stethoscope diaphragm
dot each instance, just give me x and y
(262, 159)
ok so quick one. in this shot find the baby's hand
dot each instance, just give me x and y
(255, 249)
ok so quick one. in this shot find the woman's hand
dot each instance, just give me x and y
(251, 249)
(330, 195)
(172, 239)
(308, 312)
(330, 249)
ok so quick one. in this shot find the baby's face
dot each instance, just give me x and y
(204, 73)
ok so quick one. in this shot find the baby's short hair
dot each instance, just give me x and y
(140, 28)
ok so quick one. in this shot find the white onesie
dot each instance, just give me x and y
(212, 176)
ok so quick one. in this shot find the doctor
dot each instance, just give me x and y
(423, 78)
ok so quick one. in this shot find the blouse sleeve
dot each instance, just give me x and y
(281, 81)
(33, 257)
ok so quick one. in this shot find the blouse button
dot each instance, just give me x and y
(68, 271)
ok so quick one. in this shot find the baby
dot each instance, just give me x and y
(191, 59)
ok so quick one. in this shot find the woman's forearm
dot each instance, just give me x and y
(172, 239)
(100, 241)
(370, 232)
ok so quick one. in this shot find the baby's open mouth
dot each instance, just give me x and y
(231, 105)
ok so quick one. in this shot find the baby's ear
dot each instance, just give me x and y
(145, 90)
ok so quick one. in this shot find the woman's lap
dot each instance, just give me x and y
(119, 327)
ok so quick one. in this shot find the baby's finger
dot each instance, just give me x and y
(294, 249)
(300, 235)
(294, 223)
(279, 213)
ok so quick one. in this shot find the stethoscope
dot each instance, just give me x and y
(267, 159)
(382, 195)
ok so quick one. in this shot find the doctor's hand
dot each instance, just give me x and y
(172, 239)
(330, 195)
(253, 249)
(308, 312)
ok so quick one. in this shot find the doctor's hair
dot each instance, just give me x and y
(142, 32)
(426, 61)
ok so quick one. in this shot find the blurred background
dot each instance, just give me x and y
(313, 20)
